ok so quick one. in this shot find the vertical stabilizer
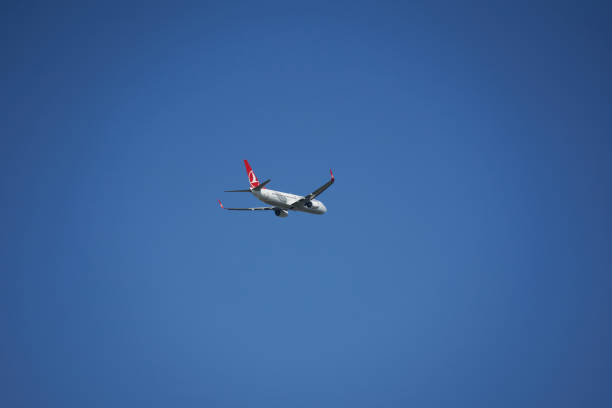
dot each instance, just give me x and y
(252, 178)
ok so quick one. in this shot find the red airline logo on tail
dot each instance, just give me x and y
(252, 178)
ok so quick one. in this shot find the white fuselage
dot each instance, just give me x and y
(284, 200)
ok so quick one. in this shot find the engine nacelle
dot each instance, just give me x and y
(281, 213)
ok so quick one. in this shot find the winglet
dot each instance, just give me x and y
(332, 174)
(220, 204)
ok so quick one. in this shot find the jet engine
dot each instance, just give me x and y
(281, 213)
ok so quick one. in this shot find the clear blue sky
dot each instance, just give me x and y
(465, 259)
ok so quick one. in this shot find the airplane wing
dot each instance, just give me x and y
(315, 193)
(246, 209)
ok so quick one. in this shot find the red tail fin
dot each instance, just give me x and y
(252, 178)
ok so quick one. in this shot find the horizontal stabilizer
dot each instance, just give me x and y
(259, 187)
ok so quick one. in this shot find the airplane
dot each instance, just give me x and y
(281, 202)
